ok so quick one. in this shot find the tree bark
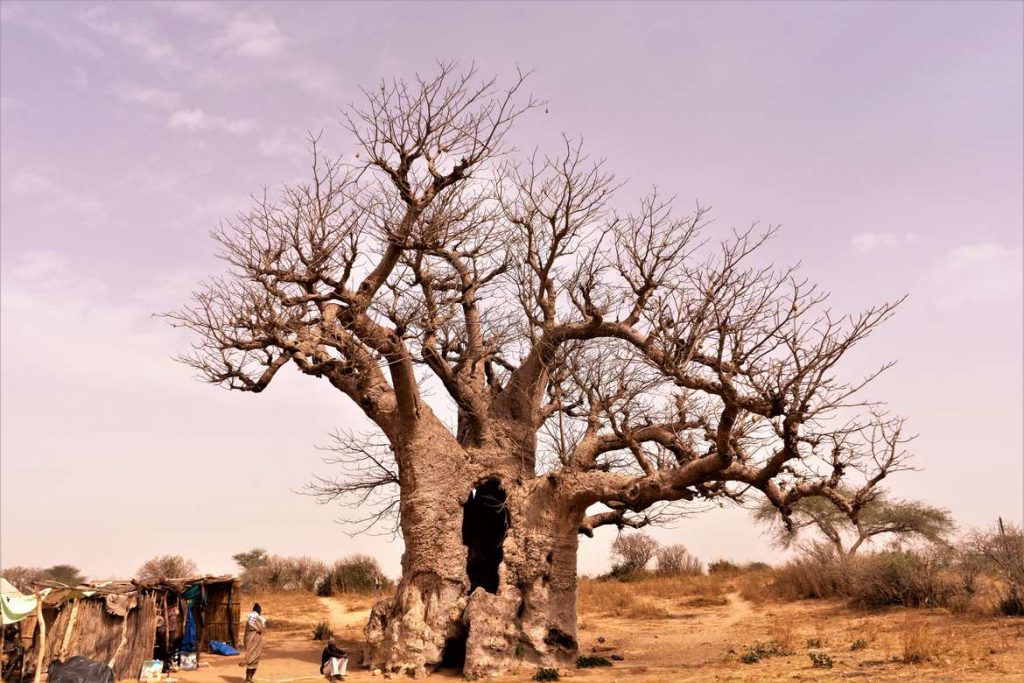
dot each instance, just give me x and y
(488, 574)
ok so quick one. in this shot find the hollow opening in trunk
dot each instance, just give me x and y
(485, 521)
(454, 654)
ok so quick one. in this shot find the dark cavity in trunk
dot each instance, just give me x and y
(485, 521)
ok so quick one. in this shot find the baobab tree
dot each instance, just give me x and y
(597, 363)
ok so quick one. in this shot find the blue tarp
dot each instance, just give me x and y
(219, 648)
(188, 640)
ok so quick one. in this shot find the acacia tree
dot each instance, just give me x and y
(878, 515)
(598, 364)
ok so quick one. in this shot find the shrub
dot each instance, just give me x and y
(820, 660)
(632, 552)
(546, 674)
(755, 653)
(919, 643)
(165, 567)
(757, 566)
(722, 566)
(356, 574)
(858, 644)
(677, 560)
(277, 573)
(900, 578)
(22, 578)
(782, 635)
(1001, 551)
(322, 631)
(592, 661)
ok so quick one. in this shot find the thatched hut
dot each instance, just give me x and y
(124, 623)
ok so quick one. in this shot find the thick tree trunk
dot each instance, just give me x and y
(488, 577)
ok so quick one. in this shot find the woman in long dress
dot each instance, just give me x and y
(253, 641)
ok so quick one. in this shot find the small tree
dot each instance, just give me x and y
(632, 553)
(676, 559)
(878, 515)
(63, 573)
(22, 578)
(165, 567)
(251, 558)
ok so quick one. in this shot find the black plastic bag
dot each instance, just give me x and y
(80, 670)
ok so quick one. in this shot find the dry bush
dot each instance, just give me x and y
(890, 577)
(277, 573)
(781, 633)
(359, 574)
(22, 578)
(631, 554)
(676, 560)
(165, 567)
(1001, 552)
(818, 572)
(723, 567)
(919, 643)
(901, 578)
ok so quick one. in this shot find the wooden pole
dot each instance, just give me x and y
(42, 639)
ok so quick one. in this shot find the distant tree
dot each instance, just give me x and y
(63, 573)
(22, 578)
(676, 559)
(251, 558)
(632, 553)
(877, 516)
(166, 567)
(1001, 550)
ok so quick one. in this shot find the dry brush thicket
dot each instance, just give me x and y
(357, 573)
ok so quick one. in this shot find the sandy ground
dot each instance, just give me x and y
(685, 638)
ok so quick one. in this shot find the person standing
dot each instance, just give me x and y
(253, 641)
(333, 661)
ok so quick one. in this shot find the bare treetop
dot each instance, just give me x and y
(636, 353)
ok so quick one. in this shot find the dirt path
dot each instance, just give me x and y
(738, 610)
(340, 617)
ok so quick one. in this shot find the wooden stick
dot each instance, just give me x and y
(62, 653)
(124, 639)
(42, 639)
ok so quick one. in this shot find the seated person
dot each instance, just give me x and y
(333, 661)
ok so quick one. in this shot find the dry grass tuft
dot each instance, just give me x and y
(919, 642)
(781, 633)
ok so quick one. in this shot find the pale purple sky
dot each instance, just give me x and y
(886, 138)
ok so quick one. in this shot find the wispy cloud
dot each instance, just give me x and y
(251, 37)
(866, 242)
(29, 183)
(196, 120)
(977, 273)
(137, 36)
(152, 97)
